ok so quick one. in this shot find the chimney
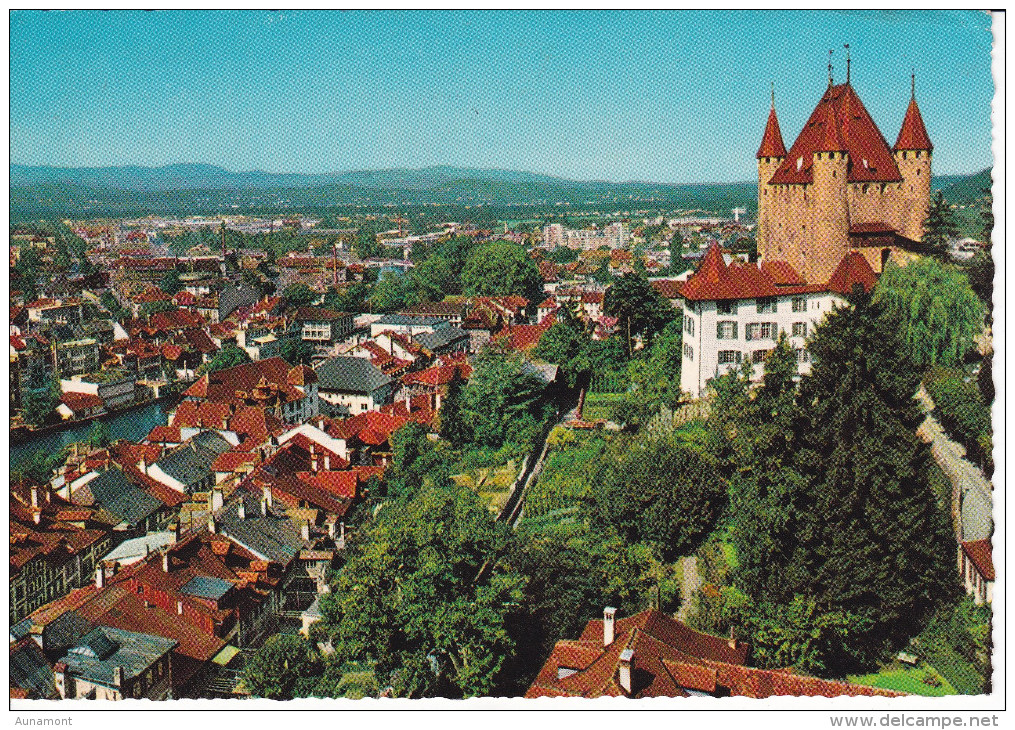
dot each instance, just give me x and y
(624, 668)
(216, 498)
(327, 461)
(37, 516)
(177, 529)
(305, 531)
(165, 562)
(266, 494)
(211, 523)
(733, 638)
(264, 508)
(609, 614)
(179, 607)
(341, 536)
(241, 510)
(118, 676)
(35, 496)
(100, 577)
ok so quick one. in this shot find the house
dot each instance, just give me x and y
(450, 311)
(77, 357)
(111, 664)
(976, 566)
(188, 468)
(652, 655)
(447, 341)
(323, 327)
(115, 388)
(54, 546)
(353, 382)
(78, 406)
(733, 310)
(31, 675)
(55, 311)
(407, 324)
(289, 393)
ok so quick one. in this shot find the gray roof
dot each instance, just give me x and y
(192, 462)
(976, 513)
(122, 498)
(21, 629)
(232, 298)
(440, 338)
(274, 536)
(203, 586)
(30, 671)
(101, 650)
(416, 320)
(139, 547)
(346, 374)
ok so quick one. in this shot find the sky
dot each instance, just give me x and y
(668, 96)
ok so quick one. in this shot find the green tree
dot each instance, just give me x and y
(431, 281)
(415, 459)
(149, 308)
(285, 667)
(568, 344)
(299, 295)
(503, 401)
(388, 294)
(640, 309)
(415, 601)
(296, 352)
(99, 436)
(661, 493)
(501, 267)
(37, 404)
(654, 380)
(366, 245)
(939, 227)
(865, 538)
(938, 312)
(677, 265)
(170, 282)
(42, 465)
(349, 299)
(562, 255)
(227, 357)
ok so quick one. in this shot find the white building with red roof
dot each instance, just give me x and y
(733, 310)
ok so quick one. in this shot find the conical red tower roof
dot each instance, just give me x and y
(771, 142)
(840, 122)
(913, 135)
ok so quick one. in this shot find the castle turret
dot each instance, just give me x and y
(770, 155)
(820, 253)
(912, 153)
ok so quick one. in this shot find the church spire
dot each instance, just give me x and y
(846, 46)
(771, 141)
(913, 135)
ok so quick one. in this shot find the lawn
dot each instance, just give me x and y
(903, 678)
(492, 484)
(600, 405)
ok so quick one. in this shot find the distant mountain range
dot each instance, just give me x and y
(45, 191)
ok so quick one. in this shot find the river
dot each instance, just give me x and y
(132, 425)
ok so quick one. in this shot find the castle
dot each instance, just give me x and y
(840, 188)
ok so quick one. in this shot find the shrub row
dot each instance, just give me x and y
(961, 411)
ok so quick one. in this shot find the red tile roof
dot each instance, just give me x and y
(980, 552)
(853, 270)
(81, 401)
(782, 273)
(840, 122)
(437, 375)
(165, 435)
(913, 135)
(230, 461)
(873, 227)
(771, 140)
(668, 659)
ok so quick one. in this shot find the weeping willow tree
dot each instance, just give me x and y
(938, 310)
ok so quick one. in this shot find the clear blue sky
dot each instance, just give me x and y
(660, 96)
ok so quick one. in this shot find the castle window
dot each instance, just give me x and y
(725, 307)
(802, 355)
(833, 174)
(918, 172)
(865, 186)
(729, 356)
(758, 356)
(689, 352)
(799, 304)
(799, 329)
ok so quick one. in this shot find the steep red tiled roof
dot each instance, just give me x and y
(437, 375)
(165, 435)
(782, 273)
(230, 461)
(980, 552)
(302, 375)
(913, 135)
(840, 122)
(525, 336)
(852, 270)
(171, 352)
(771, 140)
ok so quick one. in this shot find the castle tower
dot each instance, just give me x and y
(821, 251)
(912, 153)
(770, 155)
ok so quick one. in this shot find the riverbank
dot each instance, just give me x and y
(24, 433)
(132, 423)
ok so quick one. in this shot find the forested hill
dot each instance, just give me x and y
(38, 192)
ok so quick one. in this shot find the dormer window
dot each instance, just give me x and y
(563, 672)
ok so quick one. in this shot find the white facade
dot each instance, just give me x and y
(719, 335)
